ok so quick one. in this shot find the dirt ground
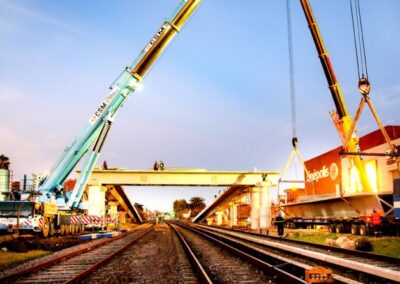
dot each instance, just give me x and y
(24, 244)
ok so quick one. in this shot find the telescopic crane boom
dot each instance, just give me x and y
(345, 120)
(91, 138)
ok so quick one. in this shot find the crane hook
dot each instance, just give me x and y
(364, 87)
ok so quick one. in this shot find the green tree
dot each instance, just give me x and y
(196, 204)
(180, 206)
(4, 162)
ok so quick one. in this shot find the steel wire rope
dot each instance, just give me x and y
(291, 69)
(359, 42)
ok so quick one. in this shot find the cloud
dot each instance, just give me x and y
(34, 15)
(387, 97)
(9, 94)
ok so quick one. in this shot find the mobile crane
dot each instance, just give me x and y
(59, 210)
(308, 212)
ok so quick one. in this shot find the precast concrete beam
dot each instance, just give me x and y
(179, 177)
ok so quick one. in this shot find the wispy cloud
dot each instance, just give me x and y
(34, 15)
(9, 94)
(386, 97)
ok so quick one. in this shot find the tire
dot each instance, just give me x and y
(45, 228)
(67, 230)
(63, 230)
(355, 229)
(363, 230)
(72, 229)
(52, 229)
(339, 228)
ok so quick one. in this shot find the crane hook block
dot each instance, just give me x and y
(294, 142)
(364, 86)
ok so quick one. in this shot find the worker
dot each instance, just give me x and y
(376, 222)
(156, 166)
(161, 165)
(280, 223)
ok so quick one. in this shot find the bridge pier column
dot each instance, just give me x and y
(219, 217)
(233, 215)
(265, 204)
(96, 200)
(255, 208)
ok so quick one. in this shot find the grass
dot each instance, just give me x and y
(11, 259)
(385, 245)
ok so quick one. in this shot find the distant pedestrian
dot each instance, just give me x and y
(161, 165)
(156, 166)
(280, 223)
(376, 222)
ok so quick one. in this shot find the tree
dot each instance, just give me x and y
(180, 206)
(4, 162)
(139, 208)
(196, 204)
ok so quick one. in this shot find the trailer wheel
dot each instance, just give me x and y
(45, 227)
(363, 230)
(339, 228)
(354, 229)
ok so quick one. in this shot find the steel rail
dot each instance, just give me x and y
(362, 254)
(43, 265)
(109, 257)
(249, 254)
(382, 271)
(205, 278)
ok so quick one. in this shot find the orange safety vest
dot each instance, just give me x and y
(376, 218)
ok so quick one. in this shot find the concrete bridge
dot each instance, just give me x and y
(257, 184)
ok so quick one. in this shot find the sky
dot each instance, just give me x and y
(218, 98)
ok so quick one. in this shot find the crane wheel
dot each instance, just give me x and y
(45, 227)
(62, 230)
(52, 230)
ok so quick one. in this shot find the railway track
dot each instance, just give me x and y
(222, 260)
(75, 266)
(347, 265)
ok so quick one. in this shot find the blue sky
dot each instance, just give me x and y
(217, 99)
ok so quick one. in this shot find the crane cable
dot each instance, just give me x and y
(363, 84)
(359, 44)
(291, 70)
(293, 101)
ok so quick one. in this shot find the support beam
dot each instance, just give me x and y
(179, 177)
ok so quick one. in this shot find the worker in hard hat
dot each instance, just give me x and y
(376, 222)
(280, 224)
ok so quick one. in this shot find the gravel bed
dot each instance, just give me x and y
(152, 259)
(336, 269)
(52, 244)
(222, 266)
(49, 257)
